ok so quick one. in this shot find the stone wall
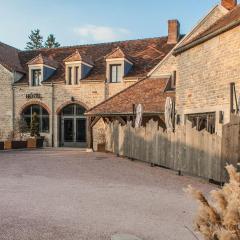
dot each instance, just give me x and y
(169, 64)
(87, 94)
(205, 73)
(215, 14)
(6, 122)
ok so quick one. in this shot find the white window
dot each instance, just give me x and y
(70, 75)
(76, 75)
(36, 77)
(115, 73)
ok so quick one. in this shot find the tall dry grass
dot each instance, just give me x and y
(219, 219)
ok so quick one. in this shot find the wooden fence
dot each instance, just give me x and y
(186, 150)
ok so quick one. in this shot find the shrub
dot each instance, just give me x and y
(34, 126)
(21, 127)
(220, 219)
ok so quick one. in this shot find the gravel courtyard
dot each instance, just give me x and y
(58, 194)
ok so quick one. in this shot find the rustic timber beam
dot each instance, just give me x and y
(94, 121)
(121, 120)
(90, 133)
(106, 120)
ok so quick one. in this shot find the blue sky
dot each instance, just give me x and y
(91, 21)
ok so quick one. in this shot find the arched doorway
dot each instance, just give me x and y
(73, 127)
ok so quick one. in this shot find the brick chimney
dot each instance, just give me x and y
(173, 31)
(229, 4)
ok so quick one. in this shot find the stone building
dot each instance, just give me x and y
(208, 73)
(160, 82)
(61, 84)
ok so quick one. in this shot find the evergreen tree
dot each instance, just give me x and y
(36, 40)
(35, 126)
(51, 42)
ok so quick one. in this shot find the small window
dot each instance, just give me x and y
(76, 74)
(174, 78)
(115, 73)
(70, 75)
(36, 77)
(203, 121)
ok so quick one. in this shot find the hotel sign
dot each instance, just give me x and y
(33, 95)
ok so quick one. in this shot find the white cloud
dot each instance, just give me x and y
(101, 33)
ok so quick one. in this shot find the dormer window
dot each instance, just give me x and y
(36, 77)
(115, 73)
(40, 69)
(78, 66)
(118, 66)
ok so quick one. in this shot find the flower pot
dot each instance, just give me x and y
(101, 147)
(19, 144)
(7, 144)
(31, 143)
(40, 141)
(1, 145)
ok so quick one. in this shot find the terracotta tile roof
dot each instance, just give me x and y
(76, 56)
(227, 22)
(9, 58)
(145, 53)
(40, 59)
(150, 92)
(117, 53)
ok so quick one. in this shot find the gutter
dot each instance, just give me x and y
(52, 86)
(121, 114)
(206, 38)
(13, 102)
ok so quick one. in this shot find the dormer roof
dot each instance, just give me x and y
(76, 56)
(117, 53)
(152, 51)
(40, 59)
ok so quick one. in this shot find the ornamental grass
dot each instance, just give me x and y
(219, 219)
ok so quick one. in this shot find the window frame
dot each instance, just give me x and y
(41, 116)
(118, 73)
(76, 72)
(39, 80)
(197, 120)
(70, 75)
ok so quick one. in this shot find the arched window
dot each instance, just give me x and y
(73, 110)
(42, 114)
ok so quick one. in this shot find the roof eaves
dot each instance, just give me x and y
(205, 38)
(105, 114)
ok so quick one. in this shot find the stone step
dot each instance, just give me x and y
(124, 237)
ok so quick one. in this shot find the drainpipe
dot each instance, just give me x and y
(13, 102)
(52, 114)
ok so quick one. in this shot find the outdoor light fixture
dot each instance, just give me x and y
(72, 99)
(221, 116)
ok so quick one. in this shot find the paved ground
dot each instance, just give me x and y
(56, 195)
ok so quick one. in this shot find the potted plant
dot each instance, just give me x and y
(1, 142)
(21, 129)
(36, 141)
(8, 142)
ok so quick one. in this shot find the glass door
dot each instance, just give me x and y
(68, 130)
(80, 130)
(73, 126)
